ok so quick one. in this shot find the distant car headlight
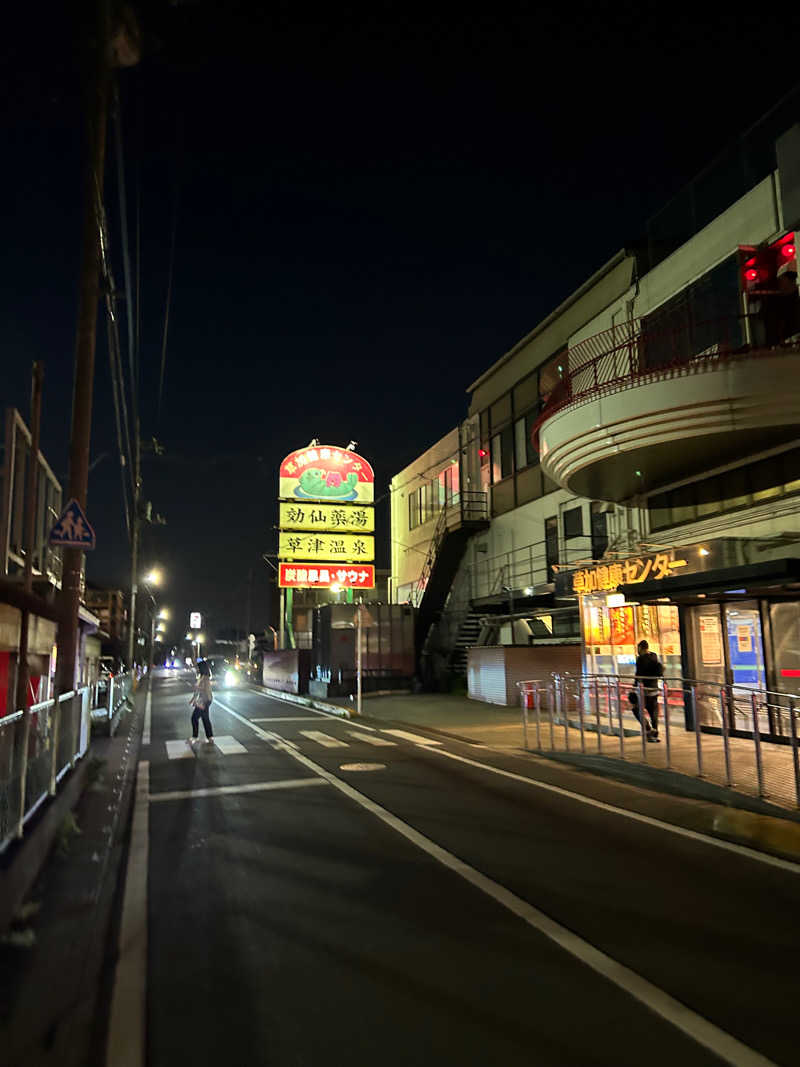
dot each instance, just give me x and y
(230, 678)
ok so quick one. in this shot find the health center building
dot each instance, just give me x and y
(639, 452)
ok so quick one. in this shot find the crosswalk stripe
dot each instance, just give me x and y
(228, 745)
(406, 736)
(370, 740)
(323, 739)
(179, 750)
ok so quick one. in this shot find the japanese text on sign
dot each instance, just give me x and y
(609, 576)
(326, 546)
(324, 576)
(310, 516)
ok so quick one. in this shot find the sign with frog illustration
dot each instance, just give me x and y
(327, 473)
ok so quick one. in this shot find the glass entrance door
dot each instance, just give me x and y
(727, 651)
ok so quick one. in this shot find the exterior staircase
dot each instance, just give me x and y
(468, 634)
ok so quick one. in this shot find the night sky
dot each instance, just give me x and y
(369, 213)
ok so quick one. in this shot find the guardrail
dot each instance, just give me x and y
(615, 717)
(109, 698)
(649, 350)
(36, 751)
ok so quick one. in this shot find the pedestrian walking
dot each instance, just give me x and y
(648, 671)
(201, 702)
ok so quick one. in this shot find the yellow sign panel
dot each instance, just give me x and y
(345, 517)
(331, 547)
(608, 576)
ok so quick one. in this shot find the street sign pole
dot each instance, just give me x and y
(358, 659)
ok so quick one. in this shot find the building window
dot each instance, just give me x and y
(733, 490)
(551, 545)
(500, 411)
(598, 518)
(573, 523)
(497, 475)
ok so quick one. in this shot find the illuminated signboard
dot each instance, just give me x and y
(328, 547)
(607, 577)
(327, 473)
(349, 517)
(325, 576)
(195, 621)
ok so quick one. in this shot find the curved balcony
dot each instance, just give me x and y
(639, 408)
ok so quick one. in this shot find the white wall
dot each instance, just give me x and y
(409, 547)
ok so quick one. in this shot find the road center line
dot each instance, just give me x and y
(126, 1030)
(635, 816)
(231, 790)
(722, 1044)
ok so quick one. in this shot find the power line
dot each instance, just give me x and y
(171, 270)
(126, 259)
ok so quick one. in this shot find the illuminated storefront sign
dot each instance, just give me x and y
(296, 576)
(607, 577)
(350, 517)
(328, 547)
(327, 473)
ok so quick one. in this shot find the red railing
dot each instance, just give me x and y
(646, 349)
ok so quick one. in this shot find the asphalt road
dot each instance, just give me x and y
(322, 891)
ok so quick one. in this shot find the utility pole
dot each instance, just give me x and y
(85, 341)
(31, 487)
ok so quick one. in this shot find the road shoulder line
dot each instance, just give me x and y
(126, 1032)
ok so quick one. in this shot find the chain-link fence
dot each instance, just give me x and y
(36, 751)
(745, 739)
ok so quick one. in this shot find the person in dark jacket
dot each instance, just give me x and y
(648, 671)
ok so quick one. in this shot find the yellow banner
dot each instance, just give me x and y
(351, 518)
(329, 547)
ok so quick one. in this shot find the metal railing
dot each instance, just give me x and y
(109, 697)
(650, 349)
(723, 734)
(36, 751)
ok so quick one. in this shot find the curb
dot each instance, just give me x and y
(305, 702)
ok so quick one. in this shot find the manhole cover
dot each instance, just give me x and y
(362, 767)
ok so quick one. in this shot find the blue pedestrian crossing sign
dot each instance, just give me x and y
(73, 529)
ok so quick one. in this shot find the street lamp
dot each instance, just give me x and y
(154, 577)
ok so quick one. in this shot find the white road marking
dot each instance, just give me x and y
(722, 1044)
(288, 718)
(323, 739)
(228, 745)
(362, 766)
(647, 820)
(179, 750)
(126, 1031)
(231, 790)
(148, 711)
(635, 816)
(417, 738)
(377, 741)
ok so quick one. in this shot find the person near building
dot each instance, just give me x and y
(648, 671)
(201, 702)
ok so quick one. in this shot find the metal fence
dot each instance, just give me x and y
(36, 751)
(109, 697)
(745, 739)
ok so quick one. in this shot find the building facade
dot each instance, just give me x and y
(638, 450)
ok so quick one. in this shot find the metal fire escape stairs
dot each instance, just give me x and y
(455, 526)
